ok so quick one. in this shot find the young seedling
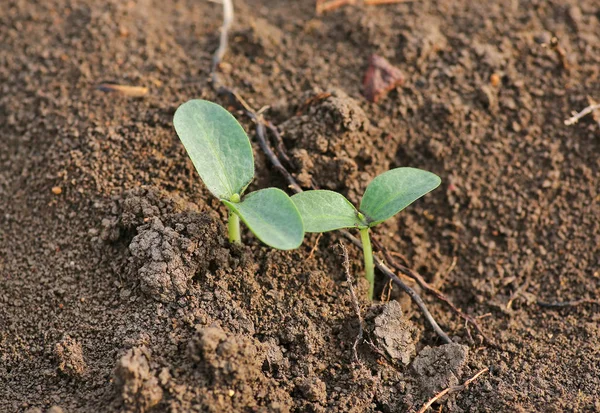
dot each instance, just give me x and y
(221, 152)
(386, 195)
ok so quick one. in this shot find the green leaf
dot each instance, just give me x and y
(272, 217)
(394, 190)
(324, 211)
(217, 145)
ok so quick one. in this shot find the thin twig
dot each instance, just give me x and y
(359, 337)
(262, 142)
(452, 389)
(223, 39)
(388, 289)
(133, 91)
(314, 248)
(428, 288)
(330, 5)
(281, 153)
(578, 115)
(381, 2)
(311, 101)
(560, 53)
(324, 5)
(452, 266)
(566, 304)
(400, 256)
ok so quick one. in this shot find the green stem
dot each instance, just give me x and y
(368, 256)
(233, 225)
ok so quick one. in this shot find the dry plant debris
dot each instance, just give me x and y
(323, 6)
(126, 90)
(593, 108)
(452, 389)
(380, 78)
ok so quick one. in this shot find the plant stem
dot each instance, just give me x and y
(368, 257)
(233, 225)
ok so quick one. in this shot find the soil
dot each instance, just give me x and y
(119, 291)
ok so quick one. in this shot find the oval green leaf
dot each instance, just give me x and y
(394, 190)
(272, 217)
(218, 146)
(324, 211)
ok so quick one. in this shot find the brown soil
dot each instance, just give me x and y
(119, 291)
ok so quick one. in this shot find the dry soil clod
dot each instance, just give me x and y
(395, 333)
(70, 356)
(138, 385)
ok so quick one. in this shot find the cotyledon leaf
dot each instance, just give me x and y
(272, 217)
(324, 211)
(218, 146)
(394, 190)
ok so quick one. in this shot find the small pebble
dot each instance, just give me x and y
(495, 79)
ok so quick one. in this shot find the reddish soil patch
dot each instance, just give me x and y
(119, 292)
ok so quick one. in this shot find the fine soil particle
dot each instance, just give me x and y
(120, 292)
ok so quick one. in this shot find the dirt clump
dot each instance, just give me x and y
(166, 259)
(172, 242)
(312, 389)
(440, 367)
(334, 143)
(139, 387)
(231, 368)
(70, 356)
(395, 333)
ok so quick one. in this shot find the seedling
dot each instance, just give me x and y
(221, 153)
(386, 195)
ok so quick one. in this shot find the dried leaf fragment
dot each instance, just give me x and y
(126, 90)
(380, 78)
(381, 2)
(323, 6)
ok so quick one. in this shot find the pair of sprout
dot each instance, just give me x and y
(221, 153)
